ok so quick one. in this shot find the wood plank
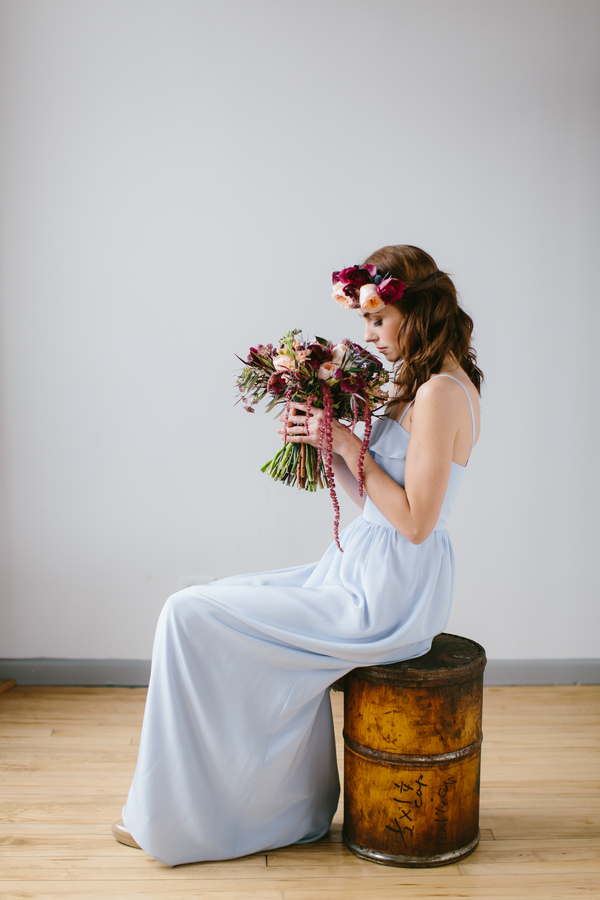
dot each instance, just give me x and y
(299, 858)
(119, 780)
(6, 684)
(54, 743)
(49, 789)
(83, 846)
(211, 876)
(121, 890)
(533, 891)
(68, 811)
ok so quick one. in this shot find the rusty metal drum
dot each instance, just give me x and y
(412, 752)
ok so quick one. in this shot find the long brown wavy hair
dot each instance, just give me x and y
(434, 326)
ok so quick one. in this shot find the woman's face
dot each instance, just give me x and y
(381, 329)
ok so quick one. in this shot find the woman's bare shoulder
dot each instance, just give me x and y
(448, 393)
(444, 398)
(438, 388)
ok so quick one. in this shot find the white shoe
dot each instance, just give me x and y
(122, 835)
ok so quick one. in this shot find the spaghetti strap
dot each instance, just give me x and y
(405, 411)
(443, 375)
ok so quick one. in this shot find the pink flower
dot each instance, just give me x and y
(327, 371)
(391, 289)
(370, 300)
(283, 363)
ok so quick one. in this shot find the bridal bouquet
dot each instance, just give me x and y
(344, 380)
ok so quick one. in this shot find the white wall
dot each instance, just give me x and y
(179, 178)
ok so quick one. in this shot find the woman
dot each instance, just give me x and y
(237, 750)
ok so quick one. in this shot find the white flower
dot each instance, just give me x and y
(339, 352)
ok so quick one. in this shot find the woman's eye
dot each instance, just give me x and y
(377, 323)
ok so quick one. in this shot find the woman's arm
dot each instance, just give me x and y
(414, 510)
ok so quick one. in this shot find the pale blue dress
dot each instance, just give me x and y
(237, 750)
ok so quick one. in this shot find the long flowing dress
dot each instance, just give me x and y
(237, 750)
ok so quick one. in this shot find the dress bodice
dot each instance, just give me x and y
(388, 446)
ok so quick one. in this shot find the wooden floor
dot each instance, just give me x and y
(67, 756)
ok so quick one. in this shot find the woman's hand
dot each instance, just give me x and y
(301, 431)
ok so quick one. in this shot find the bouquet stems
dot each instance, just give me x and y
(296, 464)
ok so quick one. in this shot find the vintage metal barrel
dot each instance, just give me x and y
(412, 735)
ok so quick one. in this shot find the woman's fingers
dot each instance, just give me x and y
(299, 427)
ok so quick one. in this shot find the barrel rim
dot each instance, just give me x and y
(408, 673)
(411, 862)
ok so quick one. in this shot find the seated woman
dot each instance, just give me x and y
(237, 750)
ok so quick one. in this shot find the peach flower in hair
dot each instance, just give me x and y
(370, 301)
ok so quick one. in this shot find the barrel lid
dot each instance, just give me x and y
(452, 659)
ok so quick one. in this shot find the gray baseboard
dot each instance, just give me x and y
(81, 672)
(136, 672)
(542, 671)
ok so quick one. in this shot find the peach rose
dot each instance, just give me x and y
(340, 297)
(370, 300)
(327, 370)
(283, 362)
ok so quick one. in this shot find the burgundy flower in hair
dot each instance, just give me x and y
(361, 286)
(355, 275)
(390, 289)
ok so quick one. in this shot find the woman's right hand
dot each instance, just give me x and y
(341, 436)
(298, 429)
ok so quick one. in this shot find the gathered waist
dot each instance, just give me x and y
(372, 514)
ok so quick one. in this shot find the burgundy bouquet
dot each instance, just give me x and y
(344, 380)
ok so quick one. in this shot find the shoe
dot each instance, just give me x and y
(122, 835)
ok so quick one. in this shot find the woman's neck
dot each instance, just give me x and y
(450, 366)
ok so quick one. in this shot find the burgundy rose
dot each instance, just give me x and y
(390, 290)
(319, 354)
(355, 275)
(277, 384)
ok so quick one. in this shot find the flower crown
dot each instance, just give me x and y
(361, 287)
